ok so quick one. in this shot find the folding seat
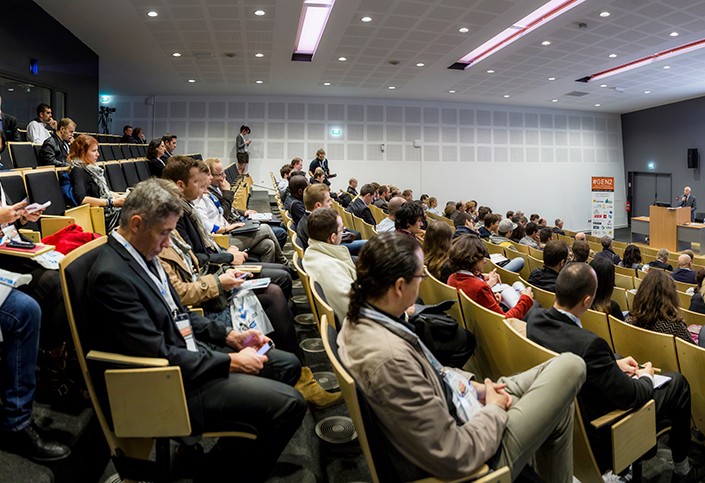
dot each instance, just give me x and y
(130, 171)
(142, 170)
(23, 155)
(116, 178)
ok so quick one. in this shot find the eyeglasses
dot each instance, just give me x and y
(217, 175)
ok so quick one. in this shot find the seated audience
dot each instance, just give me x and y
(170, 141)
(410, 394)
(655, 306)
(408, 195)
(696, 302)
(558, 228)
(607, 252)
(467, 258)
(38, 129)
(662, 260)
(360, 205)
(315, 196)
(433, 206)
(449, 210)
(509, 214)
(602, 302)
(424, 201)
(491, 223)
(385, 194)
(352, 187)
(327, 262)
(504, 229)
(542, 223)
(464, 225)
(409, 219)
(155, 152)
(138, 136)
(581, 251)
(283, 184)
(319, 176)
(55, 148)
(436, 245)
(127, 135)
(545, 235)
(297, 185)
(611, 384)
(297, 165)
(471, 207)
(88, 180)
(388, 224)
(684, 272)
(580, 236)
(632, 257)
(227, 383)
(20, 318)
(531, 236)
(534, 217)
(518, 233)
(555, 256)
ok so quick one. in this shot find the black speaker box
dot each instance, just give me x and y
(693, 158)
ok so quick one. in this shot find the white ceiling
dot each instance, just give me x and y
(136, 50)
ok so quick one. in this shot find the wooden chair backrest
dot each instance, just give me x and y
(644, 345)
(619, 295)
(692, 364)
(544, 297)
(534, 263)
(624, 281)
(598, 324)
(624, 271)
(684, 299)
(683, 286)
(537, 254)
(306, 283)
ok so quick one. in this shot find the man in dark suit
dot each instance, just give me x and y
(684, 272)
(688, 200)
(607, 251)
(360, 205)
(169, 141)
(228, 384)
(8, 125)
(555, 255)
(56, 147)
(611, 383)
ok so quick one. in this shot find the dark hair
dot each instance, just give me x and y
(436, 244)
(460, 218)
(510, 213)
(382, 261)
(581, 251)
(152, 148)
(321, 223)
(518, 232)
(136, 132)
(465, 252)
(408, 214)
(482, 212)
(449, 209)
(126, 127)
(245, 128)
(606, 241)
(632, 255)
(168, 137)
(407, 192)
(42, 107)
(534, 217)
(531, 228)
(284, 170)
(656, 300)
(178, 168)
(604, 269)
(555, 252)
(491, 219)
(575, 281)
(367, 189)
(297, 183)
(699, 276)
(545, 235)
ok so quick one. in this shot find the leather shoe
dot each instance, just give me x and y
(29, 443)
(314, 394)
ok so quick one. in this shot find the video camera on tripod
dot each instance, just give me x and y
(104, 118)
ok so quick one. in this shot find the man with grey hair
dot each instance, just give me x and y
(558, 227)
(581, 236)
(141, 315)
(607, 251)
(662, 260)
(688, 201)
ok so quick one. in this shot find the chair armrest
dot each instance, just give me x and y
(111, 357)
(223, 240)
(32, 235)
(610, 418)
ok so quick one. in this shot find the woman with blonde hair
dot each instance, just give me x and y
(656, 306)
(436, 245)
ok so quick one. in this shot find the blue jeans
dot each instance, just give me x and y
(515, 265)
(354, 247)
(281, 235)
(20, 319)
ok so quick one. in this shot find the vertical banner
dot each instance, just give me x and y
(602, 206)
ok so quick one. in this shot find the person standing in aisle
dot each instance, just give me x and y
(242, 144)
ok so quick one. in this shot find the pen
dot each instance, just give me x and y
(656, 369)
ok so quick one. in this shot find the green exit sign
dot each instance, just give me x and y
(336, 132)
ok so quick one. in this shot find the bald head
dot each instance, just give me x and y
(686, 190)
(684, 261)
(394, 204)
(580, 236)
(575, 288)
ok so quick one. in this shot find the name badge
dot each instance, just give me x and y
(184, 325)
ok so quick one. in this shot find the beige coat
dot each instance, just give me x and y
(405, 394)
(191, 293)
(332, 267)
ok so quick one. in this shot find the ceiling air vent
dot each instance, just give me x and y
(203, 56)
(577, 94)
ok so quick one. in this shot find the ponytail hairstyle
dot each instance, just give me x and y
(382, 261)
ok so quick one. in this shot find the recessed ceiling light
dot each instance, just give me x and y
(152, 13)
(342, 59)
(259, 13)
(420, 64)
(391, 88)
(176, 54)
(554, 100)
(612, 56)
(490, 71)
(551, 78)
(259, 55)
(673, 34)
(11, 89)
(326, 83)
(603, 85)
(463, 30)
(597, 105)
(647, 92)
(366, 19)
(451, 92)
(507, 96)
(666, 67)
(546, 42)
(258, 82)
(604, 14)
(192, 80)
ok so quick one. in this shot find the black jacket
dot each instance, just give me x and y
(361, 210)
(544, 278)
(684, 275)
(191, 236)
(660, 264)
(609, 255)
(54, 151)
(9, 127)
(156, 166)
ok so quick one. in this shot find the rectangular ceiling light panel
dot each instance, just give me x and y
(312, 23)
(531, 22)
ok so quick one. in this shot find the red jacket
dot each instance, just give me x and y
(480, 291)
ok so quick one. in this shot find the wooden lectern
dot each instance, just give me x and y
(663, 226)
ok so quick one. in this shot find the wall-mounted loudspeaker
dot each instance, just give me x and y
(693, 158)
